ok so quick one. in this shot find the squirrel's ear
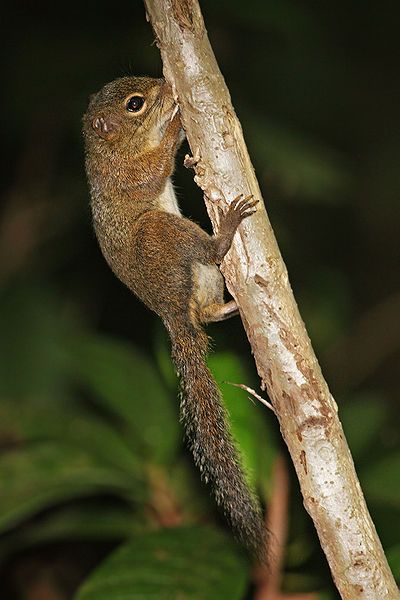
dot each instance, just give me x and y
(105, 127)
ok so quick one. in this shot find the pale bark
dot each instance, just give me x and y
(257, 278)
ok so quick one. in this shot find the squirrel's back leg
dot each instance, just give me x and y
(208, 279)
(208, 285)
(219, 312)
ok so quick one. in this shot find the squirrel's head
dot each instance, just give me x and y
(129, 112)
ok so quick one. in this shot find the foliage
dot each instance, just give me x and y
(109, 424)
(168, 564)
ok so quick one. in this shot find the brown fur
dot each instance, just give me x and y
(169, 262)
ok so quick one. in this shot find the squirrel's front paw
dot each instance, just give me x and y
(239, 209)
(174, 132)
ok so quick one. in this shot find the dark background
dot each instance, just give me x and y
(316, 87)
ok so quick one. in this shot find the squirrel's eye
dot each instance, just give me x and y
(135, 104)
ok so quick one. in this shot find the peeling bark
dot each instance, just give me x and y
(257, 278)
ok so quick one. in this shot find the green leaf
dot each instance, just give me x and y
(381, 481)
(298, 551)
(187, 563)
(81, 521)
(32, 421)
(362, 420)
(126, 383)
(162, 352)
(393, 556)
(41, 475)
(248, 424)
(325, 595)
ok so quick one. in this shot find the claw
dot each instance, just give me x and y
(240, 208)
(236, 201)
(247, 205)
(220, 212)
(174, 112)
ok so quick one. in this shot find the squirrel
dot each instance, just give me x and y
(132, 130)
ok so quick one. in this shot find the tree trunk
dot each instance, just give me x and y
(257, 278)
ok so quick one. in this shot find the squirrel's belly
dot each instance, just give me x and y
(208, 284)
(116, 252)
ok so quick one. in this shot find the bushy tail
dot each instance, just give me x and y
(206, 427)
